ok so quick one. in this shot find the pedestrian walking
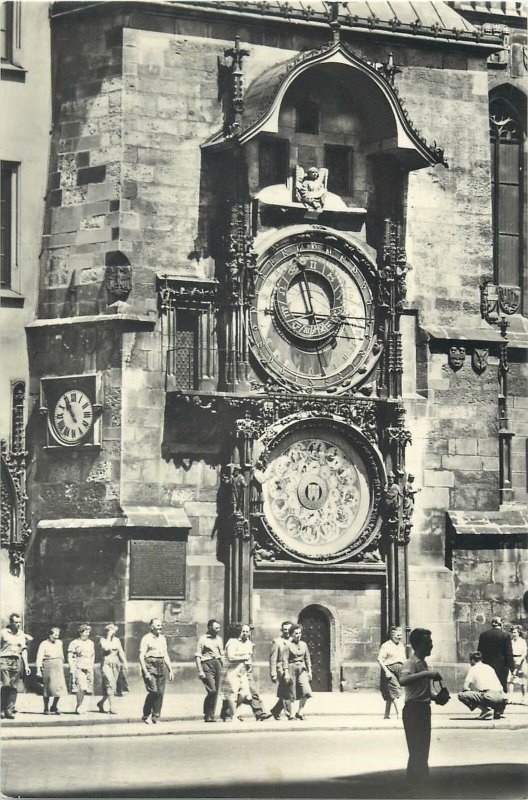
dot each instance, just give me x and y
(277, 670)
(390, 658)
(49, 665)
(13, 664)
(113, 663)
(209, 658)
(235, 681)
(254, 700)
(482, 688)
(496, 648)
(81, 659)
(519, 651)
(297, 668)
(416, 677)
(155, 666)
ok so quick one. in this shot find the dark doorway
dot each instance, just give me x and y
(316, 634)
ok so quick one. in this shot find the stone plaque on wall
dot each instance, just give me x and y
(157, 569)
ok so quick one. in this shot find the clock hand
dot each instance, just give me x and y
(70, 409)
(308, 305)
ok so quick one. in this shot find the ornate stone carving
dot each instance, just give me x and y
(118, 280)
(479, 359)
(241, 259)
(497, 300)
(233, 86)
(509, 299)
(409, 493)
(456, 355)
(310, 187)
(15, 530)
(392, 504)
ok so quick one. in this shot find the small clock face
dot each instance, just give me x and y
(312, 321)
(72, 417)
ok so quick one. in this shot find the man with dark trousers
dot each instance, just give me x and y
(416, 677)
(208, 657)
(155, 666)
(496, 648)
(276, 667)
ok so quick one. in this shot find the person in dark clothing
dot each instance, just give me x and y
(496, 648)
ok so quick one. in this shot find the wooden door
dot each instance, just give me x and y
(316, 634)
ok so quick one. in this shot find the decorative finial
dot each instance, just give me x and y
(335, 25)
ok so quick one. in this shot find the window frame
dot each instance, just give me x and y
(284, 145)
(349, 152)
(13, 33)
(10, 274)
(315, 109)
(495, 148)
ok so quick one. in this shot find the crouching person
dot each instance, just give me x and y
(483, 689)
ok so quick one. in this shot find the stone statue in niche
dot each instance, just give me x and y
(456, 356)
(393, 499)
(310, 187)
(238, 484)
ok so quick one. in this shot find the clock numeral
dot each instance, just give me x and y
(73, 397)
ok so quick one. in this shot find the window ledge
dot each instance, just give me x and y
(12, 72)
(11, 299)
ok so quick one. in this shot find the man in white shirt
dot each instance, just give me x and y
(155, 664)
(482, 689)
(208, 657)
(13, 664)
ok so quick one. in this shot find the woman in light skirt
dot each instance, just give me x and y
(113, 661)
(391, 658)
(50, 667)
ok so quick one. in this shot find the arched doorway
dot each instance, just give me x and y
(316, 634)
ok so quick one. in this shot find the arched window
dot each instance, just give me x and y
(507, 140)
(307, 117)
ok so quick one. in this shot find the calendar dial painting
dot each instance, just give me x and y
(316, 495)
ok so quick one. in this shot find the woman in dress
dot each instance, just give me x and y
(113, 660)
(235, 683)
(50, 667)
(297, 668)
(81, 658)
(519, 649)
(391, 658)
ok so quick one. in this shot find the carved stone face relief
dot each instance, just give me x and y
(456, 356)
(479, 359)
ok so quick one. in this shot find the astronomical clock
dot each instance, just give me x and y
(312, 319)
(313, 328)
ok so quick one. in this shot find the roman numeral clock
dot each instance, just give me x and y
(312, 320)
(72, 407)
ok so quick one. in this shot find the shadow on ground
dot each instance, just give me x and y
(478, 782)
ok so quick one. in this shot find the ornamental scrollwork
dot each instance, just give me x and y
(15, 530)
(241, 259)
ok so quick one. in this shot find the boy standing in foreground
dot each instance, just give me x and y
(416, 677)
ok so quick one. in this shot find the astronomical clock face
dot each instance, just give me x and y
(317, 499)
(312, 321)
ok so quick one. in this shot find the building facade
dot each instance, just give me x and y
(25, 94)
(278, 366)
